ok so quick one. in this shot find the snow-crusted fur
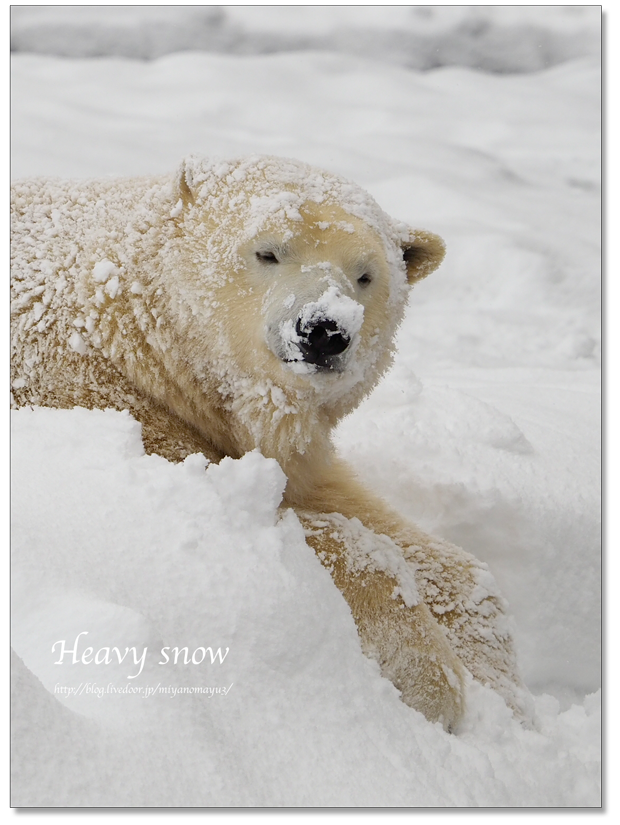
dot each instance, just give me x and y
(180, 298)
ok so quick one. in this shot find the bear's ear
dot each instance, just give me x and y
(184, 184)
(423, 252)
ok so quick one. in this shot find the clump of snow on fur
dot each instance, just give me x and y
(290, 338)
(333, 305)
(76, 342)
(176, 209)
(103, 270)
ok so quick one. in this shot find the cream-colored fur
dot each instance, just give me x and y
(180, 298)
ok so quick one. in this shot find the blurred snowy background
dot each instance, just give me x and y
(481, 123)
(491, 38)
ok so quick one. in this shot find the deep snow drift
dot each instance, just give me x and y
(148, 556)
(486, 432)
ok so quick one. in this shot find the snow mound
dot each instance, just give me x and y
(269, 684)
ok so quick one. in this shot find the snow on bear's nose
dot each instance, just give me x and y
(325, 328)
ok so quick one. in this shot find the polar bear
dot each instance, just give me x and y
(250, 304)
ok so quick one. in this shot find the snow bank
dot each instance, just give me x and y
(493, 38)
(146, 556)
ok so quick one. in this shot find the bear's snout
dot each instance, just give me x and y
(322, 334)
(320, 341)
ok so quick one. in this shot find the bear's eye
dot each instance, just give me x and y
(364, 279)
(267, 257)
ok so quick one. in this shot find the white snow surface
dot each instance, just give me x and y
(486, 432)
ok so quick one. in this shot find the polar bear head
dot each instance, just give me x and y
(293, 283)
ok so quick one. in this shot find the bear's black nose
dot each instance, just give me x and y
(320, 341)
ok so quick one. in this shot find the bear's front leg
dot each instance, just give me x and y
(464, 598)
(461, 596)
(395, 627)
